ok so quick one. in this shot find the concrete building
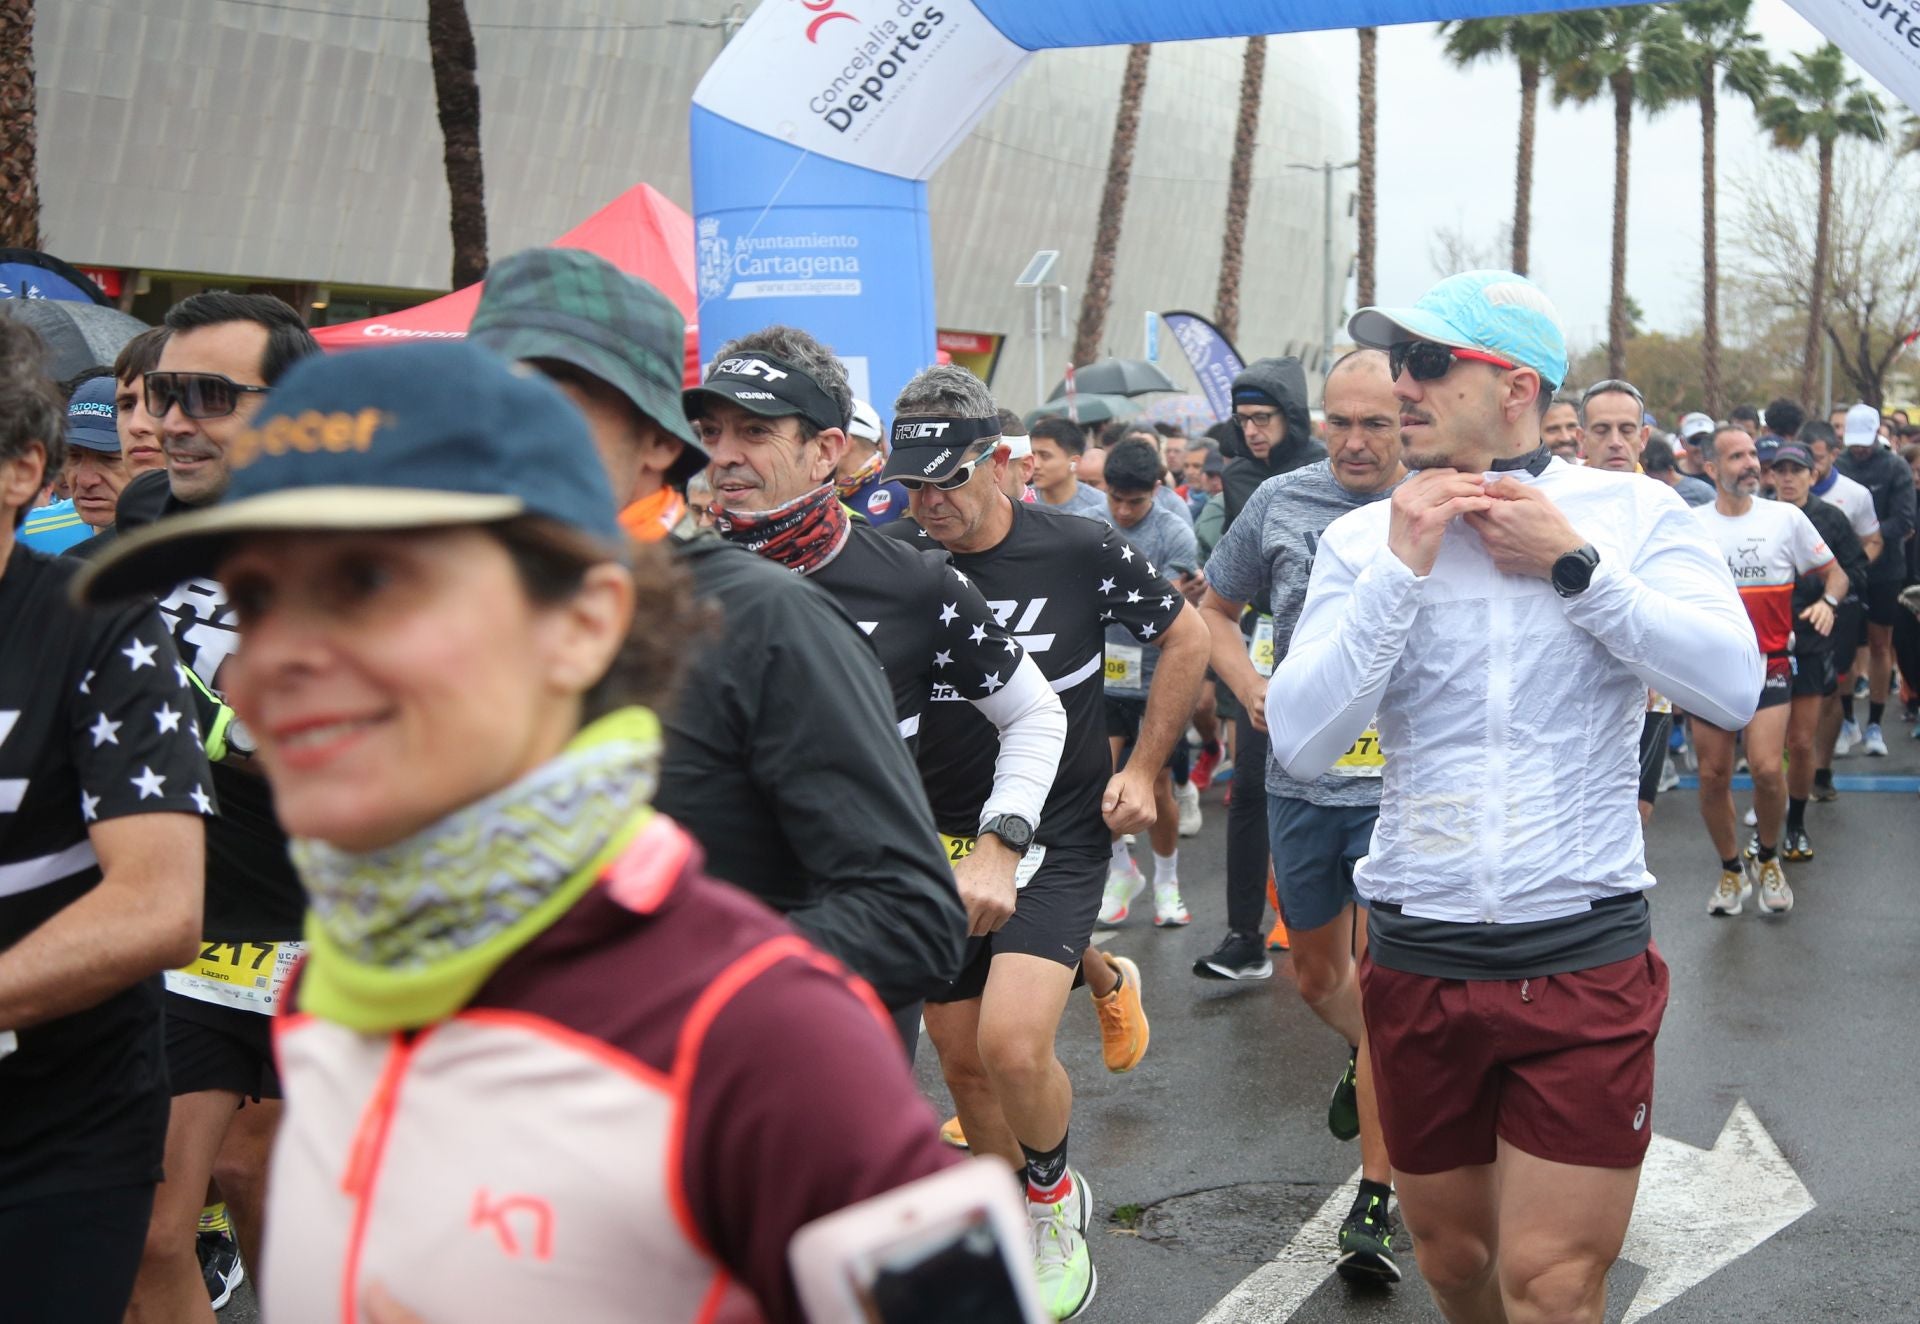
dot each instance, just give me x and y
(187, 144)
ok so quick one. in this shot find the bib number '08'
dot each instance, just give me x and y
(249, 976)
(958, 848)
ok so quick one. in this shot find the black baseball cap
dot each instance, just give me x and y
(1792, 452)
(929, 448)
(768, 386)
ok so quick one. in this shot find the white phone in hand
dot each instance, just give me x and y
(953, 1248)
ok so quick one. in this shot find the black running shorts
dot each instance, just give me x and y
(1052, 918)
(1813, 675)
(219, 1048)
(1653, 753)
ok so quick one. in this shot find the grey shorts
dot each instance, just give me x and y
(1315, 849)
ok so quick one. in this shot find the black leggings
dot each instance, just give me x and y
(73, 1257)
(1247, 849)
(1906, 647)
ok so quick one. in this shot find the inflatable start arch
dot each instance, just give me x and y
(815, 132)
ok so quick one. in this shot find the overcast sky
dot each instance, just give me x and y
(1446, 159)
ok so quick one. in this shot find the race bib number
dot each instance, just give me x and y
(1260, 647)
(249, 976)
(958, 848)
(1658, 702)
(1363, 759)
(1124, 666)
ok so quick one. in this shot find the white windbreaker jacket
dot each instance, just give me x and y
(1510, 717)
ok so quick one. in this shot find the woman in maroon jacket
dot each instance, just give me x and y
(537, 1064)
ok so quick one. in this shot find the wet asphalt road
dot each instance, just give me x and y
(1219, 1140)
(1219, 1136)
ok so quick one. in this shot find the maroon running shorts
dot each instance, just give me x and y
(1560, 1066)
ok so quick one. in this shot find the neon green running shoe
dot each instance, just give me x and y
(1061, 1260)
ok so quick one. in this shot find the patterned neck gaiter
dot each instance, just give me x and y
(847, 488)
(472, 878)
(803, 535)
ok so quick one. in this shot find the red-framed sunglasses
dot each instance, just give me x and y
(1429, 361)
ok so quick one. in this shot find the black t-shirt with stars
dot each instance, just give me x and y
(1056, 581)
(929, 626)
(96, 723)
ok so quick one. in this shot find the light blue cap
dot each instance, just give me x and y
(1498, 312)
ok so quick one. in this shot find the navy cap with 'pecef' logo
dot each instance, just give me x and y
(412, 437)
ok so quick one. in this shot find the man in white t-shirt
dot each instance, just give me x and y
(1768, 545)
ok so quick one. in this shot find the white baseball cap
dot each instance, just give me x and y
(1863, 426)
(1694, 425)
(865, 424)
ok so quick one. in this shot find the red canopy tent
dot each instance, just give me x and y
(641, 232)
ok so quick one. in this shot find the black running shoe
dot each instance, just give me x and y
(1366, 1243)
(1343, 1109)
(220, 1266)
(1239, 956)
(1825, 793)
(1796, 845)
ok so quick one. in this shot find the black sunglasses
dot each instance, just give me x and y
(199, 394)
(1429, 361)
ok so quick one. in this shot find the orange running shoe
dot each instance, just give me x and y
(1123, 1021)
(951, 1133)
(1277, 940)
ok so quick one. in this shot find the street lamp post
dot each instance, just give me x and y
(1326, 171)
(1034, 277)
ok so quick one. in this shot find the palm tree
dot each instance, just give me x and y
(1636, 62)
(457, 89)
(19, 172)
(1535, 42)
(1253, 74)
(1724, 50)
(1820, 102)
(1369, 116)
(1113, 204)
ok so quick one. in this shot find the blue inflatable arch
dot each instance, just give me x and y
(815, 132)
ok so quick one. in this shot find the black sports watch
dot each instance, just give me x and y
(1012, 829)
(1574, 571)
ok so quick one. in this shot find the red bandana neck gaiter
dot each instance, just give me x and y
(803, 535)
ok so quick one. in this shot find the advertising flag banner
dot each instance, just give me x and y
(1215, 361)
(1882, 36)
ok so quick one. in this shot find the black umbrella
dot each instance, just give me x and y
(78, 335)
(1117, 377)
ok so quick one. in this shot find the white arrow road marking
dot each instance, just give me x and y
(1279, 1287)
(1701, 1209)
(1698, 1211)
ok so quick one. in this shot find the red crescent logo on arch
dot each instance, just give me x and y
(880, 502)
(813, 28)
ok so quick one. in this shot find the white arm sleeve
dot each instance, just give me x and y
(1674, 617)
(1033, 731)
(1351, 632)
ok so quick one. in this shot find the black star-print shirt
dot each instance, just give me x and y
(933, 631)
(96, 723)
(1057, 581)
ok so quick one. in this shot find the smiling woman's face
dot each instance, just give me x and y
(392, 678)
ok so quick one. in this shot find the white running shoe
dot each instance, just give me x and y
(1776, 898)
(1873, 743)
(1731, 894)
(1753, 818)
(1843, 743)
(1123, 885)
(1188, 799)
(1669, 776)
(1063, 1263)
(1169, 911)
